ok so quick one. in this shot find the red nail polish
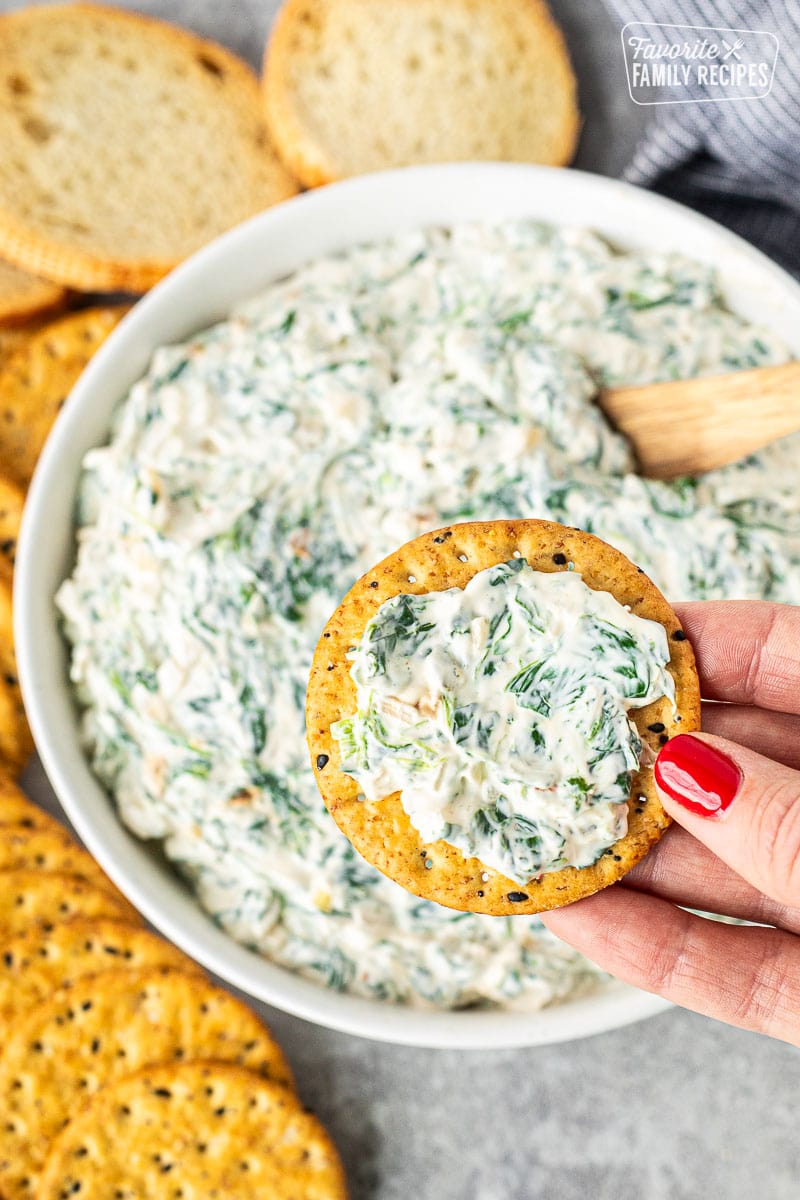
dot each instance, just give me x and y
(697, 776)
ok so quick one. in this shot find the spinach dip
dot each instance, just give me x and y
(500, 713)
(258, 470)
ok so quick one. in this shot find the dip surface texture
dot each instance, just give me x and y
(500, 713)
(257, 471)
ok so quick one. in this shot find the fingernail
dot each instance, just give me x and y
(697, 776)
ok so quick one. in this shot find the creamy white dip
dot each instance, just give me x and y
(500, 712)
(258, 470)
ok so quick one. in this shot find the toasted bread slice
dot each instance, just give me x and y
(359, 85)
(127, 144)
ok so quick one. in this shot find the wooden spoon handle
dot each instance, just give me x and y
(695, 425)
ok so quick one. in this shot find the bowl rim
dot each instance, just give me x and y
(360, 205)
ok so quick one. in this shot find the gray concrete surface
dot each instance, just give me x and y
(675, 1108)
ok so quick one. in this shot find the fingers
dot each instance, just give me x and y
(684, 871)
(741, 806)
(747, 651)
(749, 977)
(774, 734)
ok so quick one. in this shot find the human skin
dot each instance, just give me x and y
(741, 858)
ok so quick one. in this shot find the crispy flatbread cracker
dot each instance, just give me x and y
(12, 501)
(212, 1129)
(102, 1028)
(23, 295)
(30, 897)
(54, 850)
(37, 378)
(38, 962)
(381, 831)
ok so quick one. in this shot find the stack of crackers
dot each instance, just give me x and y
(123, 1071)
(128, 144)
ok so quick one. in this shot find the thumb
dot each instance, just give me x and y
(744, 807)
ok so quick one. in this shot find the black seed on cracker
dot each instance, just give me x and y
(657, 727)
(374, 583)
(662, 741)
(560, 559)
(323, 760)
(679, 636)
(518, 897)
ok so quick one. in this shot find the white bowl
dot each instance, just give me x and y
(202, 291)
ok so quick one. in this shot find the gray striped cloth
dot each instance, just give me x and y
(739, 161)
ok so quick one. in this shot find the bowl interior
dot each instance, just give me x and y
(202, 291)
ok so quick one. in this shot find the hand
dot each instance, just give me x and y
(740, 858)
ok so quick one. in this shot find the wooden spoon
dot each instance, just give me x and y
(694, 425)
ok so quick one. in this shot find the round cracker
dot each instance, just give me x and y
(211, 1128)
(54, 850)
(381, 831)
(12, 502)
(37, 378)
(29, 897)
(128, 143)
(38, 962)
(23, 295)
(11, 338)
(8, 661)
(104, 1027)
(17, 809)
(16, 742)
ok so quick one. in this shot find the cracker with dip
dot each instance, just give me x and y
(483, 712)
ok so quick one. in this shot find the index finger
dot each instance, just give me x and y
(747, 651)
